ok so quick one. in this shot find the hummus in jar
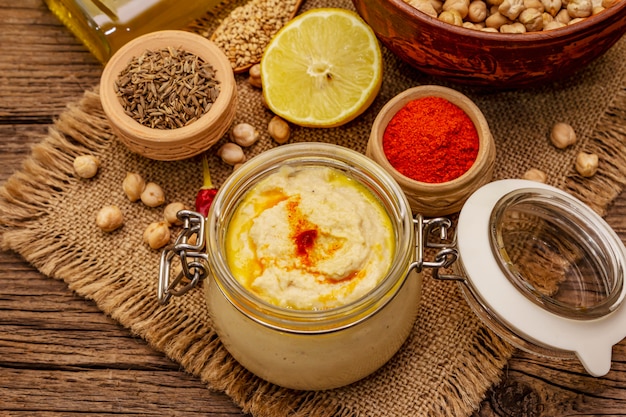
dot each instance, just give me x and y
(309, 238)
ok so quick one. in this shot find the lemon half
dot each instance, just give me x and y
(322, 69)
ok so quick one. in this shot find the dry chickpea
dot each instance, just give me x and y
(477, 11)
(170, 211)
(535, 174)
(532, 19)
(575, 20)
(424, 6)
(279, 130)
(231, 153)
(492, 30)
(86, 166)
(496, 20)
(461, 6)
(437, 5)
(255, 76)
(515, 27)
(193, 239)
(586, 164)
(452, 17)
(547, 18)
(133, 185)
(157, 234)
(609, 3)
(427, 8)
(152, 195)
(534, 4)
(109, 218)
(511, 8)
(579, 8)
(244, 134)
(553, 25)
(551, 6)
(597, 10)
(563, 17)
(562, 135)
(474, 26)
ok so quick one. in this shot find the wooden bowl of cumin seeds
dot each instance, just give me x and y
(169, 95)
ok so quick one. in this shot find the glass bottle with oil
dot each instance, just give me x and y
(106, 25)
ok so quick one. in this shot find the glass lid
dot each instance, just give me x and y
(542, 268)
(555, 254)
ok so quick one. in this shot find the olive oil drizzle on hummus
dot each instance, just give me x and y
(309, 238)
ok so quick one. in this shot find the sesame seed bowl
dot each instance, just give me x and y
(439, 174)
(169, 95)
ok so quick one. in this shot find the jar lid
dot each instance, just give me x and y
(544, 269)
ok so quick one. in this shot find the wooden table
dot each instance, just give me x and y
(59, 355)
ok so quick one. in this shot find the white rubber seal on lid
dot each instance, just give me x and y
(591, 340)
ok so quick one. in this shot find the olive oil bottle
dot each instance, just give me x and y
(105, 25)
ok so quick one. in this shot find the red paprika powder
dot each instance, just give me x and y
(431, 140)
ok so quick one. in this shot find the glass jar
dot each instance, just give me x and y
(537, 266)
(543, 271)
(313, 349)
(104, 26)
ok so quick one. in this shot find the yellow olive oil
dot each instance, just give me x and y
(104, 26)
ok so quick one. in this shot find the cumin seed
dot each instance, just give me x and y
(167, 89)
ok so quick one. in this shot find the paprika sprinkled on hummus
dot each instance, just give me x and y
(309, 238)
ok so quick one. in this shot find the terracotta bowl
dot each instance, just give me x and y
(497, 60)
(436, 199)
(177, 143)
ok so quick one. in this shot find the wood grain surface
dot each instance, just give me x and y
(61, 356)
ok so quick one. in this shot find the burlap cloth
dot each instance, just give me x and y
(450, 358)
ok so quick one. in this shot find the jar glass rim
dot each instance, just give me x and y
(540, 233)
(356, 166)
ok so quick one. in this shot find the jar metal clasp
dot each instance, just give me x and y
(429, 233)
(435, 233)
(189, 248)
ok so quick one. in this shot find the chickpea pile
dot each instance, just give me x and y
(511, 16)
(110, 217)
(157, 234)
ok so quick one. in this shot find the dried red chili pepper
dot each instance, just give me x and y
(206, 194)
(431, 140)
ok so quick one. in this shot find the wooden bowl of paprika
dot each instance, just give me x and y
(436, 143)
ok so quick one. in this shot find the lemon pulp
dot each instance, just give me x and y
(322, 69)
